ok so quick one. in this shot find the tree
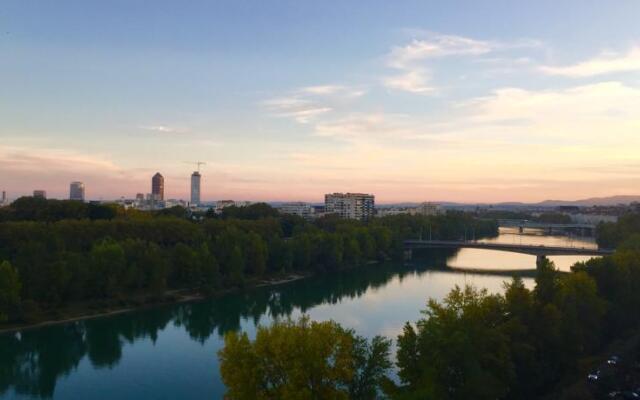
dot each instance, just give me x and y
(546, 281)
(108, 264)
(186, 266)
(372, 363)
(459, 350)
(303, 360)
(9, 290)
(256, 253)
(236, 267)
(210, 271)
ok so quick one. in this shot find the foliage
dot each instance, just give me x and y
(611, 234)
(303, 360)
(517, 345)
(63, 256)
(9, 290)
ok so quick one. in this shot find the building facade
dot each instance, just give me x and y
(76, 191)
(157, 187)
(350, 205)
(428, 209)
(222, 204)
(301, 209)
(42, 194)
(195, 188)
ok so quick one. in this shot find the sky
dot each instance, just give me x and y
(462, 101)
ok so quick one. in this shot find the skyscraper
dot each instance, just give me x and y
(76, 191)
(157, 187)
(195, 188)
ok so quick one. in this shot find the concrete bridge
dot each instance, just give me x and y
(540, 251)
(547, 226)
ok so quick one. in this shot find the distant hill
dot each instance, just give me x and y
(594, 201)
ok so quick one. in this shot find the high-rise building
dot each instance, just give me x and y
(350, 205)
(3, 200)
(40, 194)
(195, 188)
(76, 191)
(157, 187)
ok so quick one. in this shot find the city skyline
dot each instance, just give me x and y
(289, 101)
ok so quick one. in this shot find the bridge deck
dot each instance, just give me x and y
(514, 248)
(509, 223)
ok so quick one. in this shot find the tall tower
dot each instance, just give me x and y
(157, 187)
(195, 188)
(76, 191)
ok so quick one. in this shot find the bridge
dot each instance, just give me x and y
(540, 251)
(547, 226)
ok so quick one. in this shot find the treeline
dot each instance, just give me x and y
(30, 365)
(49, 210)
(611, 234)
(55, 263)
(522, 344)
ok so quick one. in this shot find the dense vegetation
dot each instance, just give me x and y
(518, 345)
(53, 254)
(612, 234)
(303, 360)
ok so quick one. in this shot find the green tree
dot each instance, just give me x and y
(9, 290)
(303, 360)
(108, 264)
(459, 350)
(236, 267)
(209, 269)
(256, 254)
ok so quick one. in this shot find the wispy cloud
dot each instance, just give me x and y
(437, 46)
(306, 104)
(338, 90)
(411, 59)
(294, 107)
(605, 63)
(38, 160)
(414, 80)
(164, 129)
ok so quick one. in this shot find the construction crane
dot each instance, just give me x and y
(198, 163)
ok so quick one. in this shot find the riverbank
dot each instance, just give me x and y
(141, 301)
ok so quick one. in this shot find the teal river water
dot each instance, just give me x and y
(170, 352)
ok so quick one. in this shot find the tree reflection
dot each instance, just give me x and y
(31, 362)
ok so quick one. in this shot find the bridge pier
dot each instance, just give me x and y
(408, 254)
(541, 259)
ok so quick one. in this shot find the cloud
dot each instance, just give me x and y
(590, 106)
(414, 81)
(306, 104)
(606, 63)
(410, 59)
(164, 129)
(47, 161)
(437, 46)
(301, 110)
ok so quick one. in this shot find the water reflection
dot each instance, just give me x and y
(491, 259)
(169, 352)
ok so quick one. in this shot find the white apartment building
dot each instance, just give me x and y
(350, 205)
(301, 209)
(428, 209)
(221, 204)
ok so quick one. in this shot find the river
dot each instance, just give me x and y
(169, 352)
